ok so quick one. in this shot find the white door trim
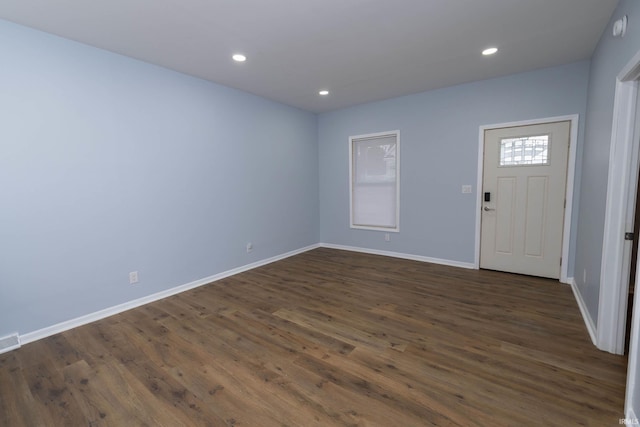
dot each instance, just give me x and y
(571, 167)
(614, 280)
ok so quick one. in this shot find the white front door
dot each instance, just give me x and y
(524, 186)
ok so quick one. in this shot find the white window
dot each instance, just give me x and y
(526, 150)
(374, 170)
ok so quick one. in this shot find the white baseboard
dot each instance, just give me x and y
(10, 342)
(101, 314)
(588, 321)
(92, 317)
(468, 265)
(630, 417)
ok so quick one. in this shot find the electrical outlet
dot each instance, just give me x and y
(249, 247)
(466, 189)
(133, 277)
(387, 237)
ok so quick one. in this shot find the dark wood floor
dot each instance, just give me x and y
(327, 338)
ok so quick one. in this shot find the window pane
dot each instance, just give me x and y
(374, 206)
(529, 150)
(374, 182)
(375, 160)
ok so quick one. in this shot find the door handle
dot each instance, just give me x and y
(488, 209)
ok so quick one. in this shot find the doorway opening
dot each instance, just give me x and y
(614, 309)
(565, 230)
(523, 187)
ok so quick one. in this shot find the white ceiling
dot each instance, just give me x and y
(361, 50)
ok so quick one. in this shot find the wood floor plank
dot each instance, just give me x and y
(327, 338)
(15, 395)
(51, 396)
(189, 365)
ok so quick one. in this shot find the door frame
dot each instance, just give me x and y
(571, 167)
(623, 165)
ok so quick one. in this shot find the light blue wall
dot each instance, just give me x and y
(110, 165)
(439, 153)
(611, 55)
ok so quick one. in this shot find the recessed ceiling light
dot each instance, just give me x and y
(489, 51)
(238, 57)
(323, 92)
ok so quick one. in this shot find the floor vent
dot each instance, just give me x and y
(9, 343)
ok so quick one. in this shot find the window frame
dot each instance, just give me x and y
(547, 163)
(353, 140)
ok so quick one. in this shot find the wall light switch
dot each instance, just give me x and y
(466, 189)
